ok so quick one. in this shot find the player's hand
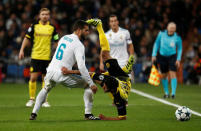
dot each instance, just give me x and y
(178, 64)
(64, 71)
(101, 67)
(94, 88)
(153, 59)
(102, 117)
(21, 55)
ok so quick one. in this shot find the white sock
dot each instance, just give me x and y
(40, 99)
(88, 100)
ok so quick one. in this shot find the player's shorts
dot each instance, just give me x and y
(167, 63)
(39, 65)
(70, 81)
(114, 69)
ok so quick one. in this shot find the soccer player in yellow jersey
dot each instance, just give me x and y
(40, 34)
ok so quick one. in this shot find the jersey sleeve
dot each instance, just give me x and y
(80, 58)
(156, 44)
(128, 38)
(55, 35)
(30, 32)
(179, 48)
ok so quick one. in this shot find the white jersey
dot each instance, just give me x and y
(69, 51)
(118, 45)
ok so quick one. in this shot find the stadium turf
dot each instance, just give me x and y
(67, 111)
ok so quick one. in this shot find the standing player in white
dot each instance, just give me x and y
(69, 51)
(120, 43)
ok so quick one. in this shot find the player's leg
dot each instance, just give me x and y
(40, 99)
(76, 81)
(34, 69)
(172, 72)
(43, 70)
(32, 88)
(164, 74)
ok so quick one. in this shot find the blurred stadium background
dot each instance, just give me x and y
(143, 18)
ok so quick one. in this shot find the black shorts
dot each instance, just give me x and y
(167, 63)
(39, 65)
(114, 69)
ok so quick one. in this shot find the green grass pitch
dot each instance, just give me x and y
(67, 111)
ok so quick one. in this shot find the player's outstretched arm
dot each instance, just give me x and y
(65, 71)
(102, 117)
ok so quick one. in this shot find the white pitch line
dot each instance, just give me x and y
(161, 100)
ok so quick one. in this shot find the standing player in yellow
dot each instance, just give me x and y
(40, 34)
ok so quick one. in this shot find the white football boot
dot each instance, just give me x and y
(30, 103)
(46, 104)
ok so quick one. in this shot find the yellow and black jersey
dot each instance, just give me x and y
(41, 37)
(118, 84)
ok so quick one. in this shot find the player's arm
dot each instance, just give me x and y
(131, 49)
(27, 40)
(65, 71)
(25, 43)
(80, 58)
(55, 37)
(101, 66)
(102, 117)
(179, 52)
(130, 44)
(121, 108)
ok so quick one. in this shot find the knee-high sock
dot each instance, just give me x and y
(40, 99)
(32, 89)
(174, 85)
(43, 85)
(88, 100)
(104, 44)
(165, 86)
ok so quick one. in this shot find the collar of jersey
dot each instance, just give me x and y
(42, 24)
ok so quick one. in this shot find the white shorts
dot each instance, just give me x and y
(71, 81)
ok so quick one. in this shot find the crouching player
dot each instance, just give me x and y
(116, 80)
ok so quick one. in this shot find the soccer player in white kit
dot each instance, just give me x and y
(69, 51)
(120, 43)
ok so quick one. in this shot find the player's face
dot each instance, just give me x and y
(44, 16)
(171, 29)
(85, 31)
(113, 22)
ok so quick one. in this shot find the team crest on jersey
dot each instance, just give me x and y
(121, 37)
(110, 35)
(108, 65)
(172, 44)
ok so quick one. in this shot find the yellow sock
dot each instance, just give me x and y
(104, 44)
(43, 84)
(32, 89)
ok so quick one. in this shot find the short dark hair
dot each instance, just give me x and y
(79, 24)
(113, 15)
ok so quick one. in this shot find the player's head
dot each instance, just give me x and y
(44, 15)
(113, 22)
(171, 28)
(81, 28)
